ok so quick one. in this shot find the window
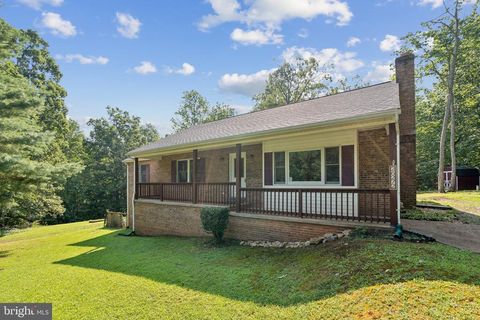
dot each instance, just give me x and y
(305, 166)
(144, 173)
(332, 165)
(279, 167)
(183, 171)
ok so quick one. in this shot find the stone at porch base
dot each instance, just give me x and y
(297, 244)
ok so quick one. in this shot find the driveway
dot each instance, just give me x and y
(463, 236)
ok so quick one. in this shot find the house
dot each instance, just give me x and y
(287, 173)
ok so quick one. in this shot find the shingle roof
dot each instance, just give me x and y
(380, 98)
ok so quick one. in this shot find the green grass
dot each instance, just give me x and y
(440, 215)
(89, 272)
(467, 201)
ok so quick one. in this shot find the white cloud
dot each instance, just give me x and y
(303, 33)
(272, 13)
(242, 108)
(390, 43)
(186, 69)
(37, 4)
(353, 41)
(433, 3)
(379, 73)
(342, 61)
(83, 59)
(58, 25)
(129, 27)
(145, 67)
(244, 84)
(267, 16)
(255, 37)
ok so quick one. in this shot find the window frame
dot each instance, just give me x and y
(189, 172)
(339, 164)
(147, 180)
(322, 182)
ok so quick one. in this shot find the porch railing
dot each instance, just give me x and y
(366, 205)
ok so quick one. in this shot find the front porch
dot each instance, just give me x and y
(273, 177)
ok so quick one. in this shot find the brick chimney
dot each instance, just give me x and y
(405, 75)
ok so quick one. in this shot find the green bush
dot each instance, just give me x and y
(215, 220)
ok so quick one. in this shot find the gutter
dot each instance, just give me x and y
(371, 116)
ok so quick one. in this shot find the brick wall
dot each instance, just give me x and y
(405, 68)
(373, 158)
(153, 219)
(216, 165)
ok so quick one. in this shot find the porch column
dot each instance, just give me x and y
(136, 173)
(194, 176)
(238, 182)
(392, 172)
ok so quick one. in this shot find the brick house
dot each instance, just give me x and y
(287, 173)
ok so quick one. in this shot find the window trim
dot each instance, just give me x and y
(323, 169)
(188, 169)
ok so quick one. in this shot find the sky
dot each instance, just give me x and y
(141, 55)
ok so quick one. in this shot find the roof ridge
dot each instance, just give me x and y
(282, 106)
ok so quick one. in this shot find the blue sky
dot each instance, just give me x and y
(141, 55)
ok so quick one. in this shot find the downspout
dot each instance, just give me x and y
(133, 198)
(397, 129)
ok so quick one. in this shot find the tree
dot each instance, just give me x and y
(29, 185)
(220, 111)
(293, 82)
(195, 109)
(444, 47)
(29, 56)
(103, 182)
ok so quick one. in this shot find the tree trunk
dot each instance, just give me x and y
(441, 153)
(451, 84)
(449, 111)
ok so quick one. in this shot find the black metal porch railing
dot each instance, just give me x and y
(366, 205)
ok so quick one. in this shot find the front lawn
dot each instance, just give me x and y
(467, 201)
(89, 272)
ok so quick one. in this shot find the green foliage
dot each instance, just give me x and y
(29, 184)
(215, 220)
(102, 185)
(434, 46)
(292, 82)
(195, 109)
(301, 80)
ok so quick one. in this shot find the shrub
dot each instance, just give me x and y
(215, 220)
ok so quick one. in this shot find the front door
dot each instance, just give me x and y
(232, 168)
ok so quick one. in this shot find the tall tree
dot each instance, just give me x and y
(441, 44)
(30, 57)
(195, 109)
(293, 82)
(29, 185)
(104, 177)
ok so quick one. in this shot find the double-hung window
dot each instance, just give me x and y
(332, 165)
(279, 167)
(184, 171)
(144, 173)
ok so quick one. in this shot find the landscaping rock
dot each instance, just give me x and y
(297, 244)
